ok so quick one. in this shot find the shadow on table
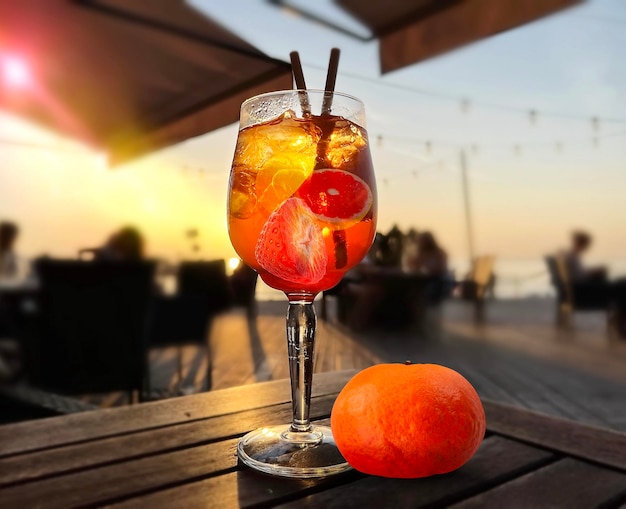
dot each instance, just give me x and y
(261, 370)
(257, 488)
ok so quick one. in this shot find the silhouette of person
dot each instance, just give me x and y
(410, 251)
(432, 260)
(580, 243)
(389, 252)
(8, 260)
(9, 350)
(126, 244)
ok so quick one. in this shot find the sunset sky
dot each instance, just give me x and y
(525, 200)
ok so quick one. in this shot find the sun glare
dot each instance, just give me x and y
(15, 71)
(233, 263)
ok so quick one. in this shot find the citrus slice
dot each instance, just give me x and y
(337, 197)
(274, 187)
(291, 245)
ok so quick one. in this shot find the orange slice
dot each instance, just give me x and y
(275, 187)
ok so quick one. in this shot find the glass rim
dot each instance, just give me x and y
(316, 91)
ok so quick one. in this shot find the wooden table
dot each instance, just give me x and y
(181, 453)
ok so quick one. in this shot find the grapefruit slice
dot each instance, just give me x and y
(291, 244)
(337, 197)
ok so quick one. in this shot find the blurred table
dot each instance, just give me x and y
(181, 453)
(17, 290)
(18, 298)
(10, 287)
(386, 297)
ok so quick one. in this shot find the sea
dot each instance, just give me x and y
(516, 278)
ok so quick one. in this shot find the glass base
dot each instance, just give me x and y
(279, 451)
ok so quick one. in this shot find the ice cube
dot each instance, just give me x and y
(271, 162)
(345, 141)
(282, 143)
(243, 200)
(289, 149)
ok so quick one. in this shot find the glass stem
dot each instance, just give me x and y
(301, 322)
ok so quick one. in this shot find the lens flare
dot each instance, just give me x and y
(15, 71)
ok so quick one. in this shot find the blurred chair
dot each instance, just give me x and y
(207, 280)
(243, 285)
(185, 318)
(571, 296)
(91, 333)
(337, 292)
(21, 403)
(478, 285)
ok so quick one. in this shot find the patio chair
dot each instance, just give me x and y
(91, 330)
(478, 285)
(243, 285)
(23, 403)
(572, 296)
(185, 318)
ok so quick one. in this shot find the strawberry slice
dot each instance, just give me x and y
(291, 244)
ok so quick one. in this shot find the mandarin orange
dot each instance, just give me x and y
(408, 421)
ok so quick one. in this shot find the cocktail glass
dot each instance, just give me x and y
(301, 212)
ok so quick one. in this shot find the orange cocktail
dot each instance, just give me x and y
(301, 211)
(302, 200)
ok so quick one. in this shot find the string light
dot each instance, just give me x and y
(413, 173)
(595, 124)
(485, 104)
(518, 149)
(465, 105)
(561, 144)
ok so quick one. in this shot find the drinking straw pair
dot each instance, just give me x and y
(329, 88)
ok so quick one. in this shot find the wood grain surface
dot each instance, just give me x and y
(55, 431)
(182, 453)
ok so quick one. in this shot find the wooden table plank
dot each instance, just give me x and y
(567, 483)
(582, 441)
(55, 431)
(90, 454)
(243, 488)
(109, 483)
(99, 485)
(496, 461)
(127, 458)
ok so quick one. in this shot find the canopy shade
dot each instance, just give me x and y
(413, 30)
(128, 77)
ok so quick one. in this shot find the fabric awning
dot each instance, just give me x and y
(414, 30)
(129, 77)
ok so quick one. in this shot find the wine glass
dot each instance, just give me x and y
(301, 212)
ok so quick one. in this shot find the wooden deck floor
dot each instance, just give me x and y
(518, 358)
